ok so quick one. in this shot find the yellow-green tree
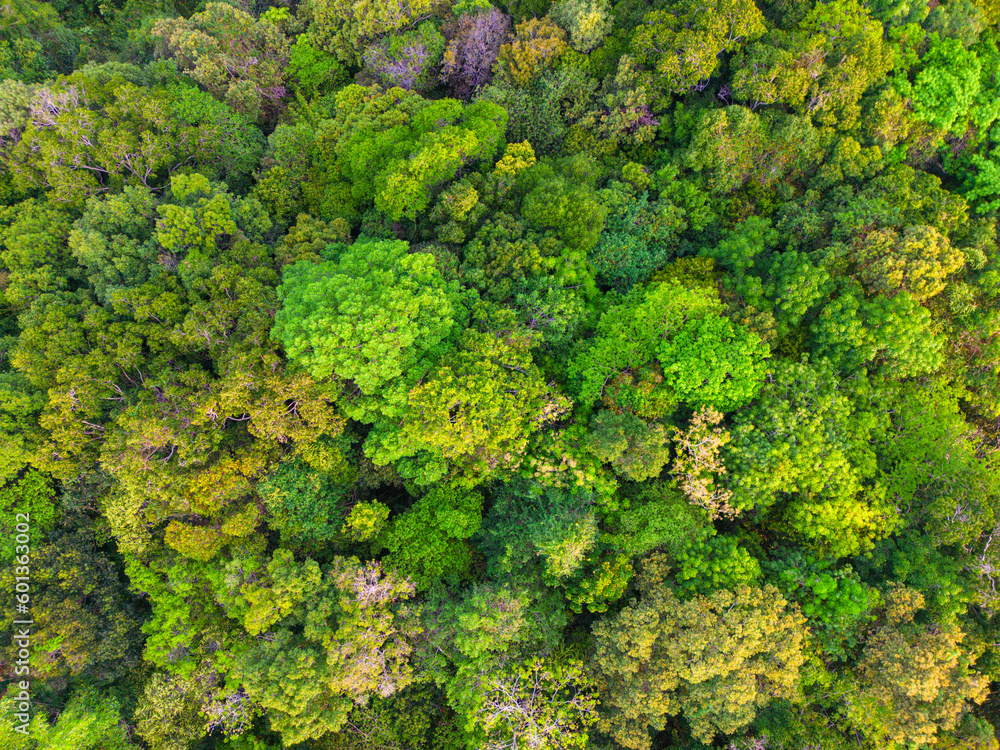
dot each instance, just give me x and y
(918, 260)
(471, 417)
(347, 27)
(682, 44)
(915, 680)
(715, 659)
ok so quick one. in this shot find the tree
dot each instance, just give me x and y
(636, 450)
(544, 703)
(374, 316)
(586, 21)
(893, 335)
(638, 238)
(804, 448)
(407, 60)
(659, 326)
(33, 252)
(471, 417)
(697, 466)
(947, 86)
(468, 60)
(427, 542)
(88, 137)
(346, 27)
(653, 515)
(733, 146)
(399, 163)
(543, 110)
(167, 716)
(530, 523)
(717, 659)
(238, 59)
(338, 640)
(304, 503)
(88, 721)
(391, 149)
(536, 45)
(313, 70)
(845, 51)
(682, 43)
(36, 44)
(114, 242)
(929, 461)
(918, 260)
(624, 115)
(85, 621)
(837, 605)
(914, 680)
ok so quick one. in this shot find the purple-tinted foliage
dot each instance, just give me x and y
(468, 62)
(643, 118)
(404, 69)
(274, 93)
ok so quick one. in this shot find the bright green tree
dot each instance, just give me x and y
(804, 448)
(427, 542)
(703, 358)
(377, 314)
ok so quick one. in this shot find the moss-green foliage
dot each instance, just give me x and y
(427, 542)
(304, 503)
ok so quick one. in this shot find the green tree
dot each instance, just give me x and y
(33, 252)
(346, 28)
(304, 503)
(114, 242)
(703, 358)
(804, 449)
(946, 88)
(397, 161)
(427, 542)
(92, 137)
(682, 43)
(636, 450)
(377, 314)
(546, 703)
(835, 602)
(85, 621)
(586, 21)
(638, 238)
(893, 335)
(338, 640)
(88, 721)
(471, 417)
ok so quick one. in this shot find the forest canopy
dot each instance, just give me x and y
(500, 374)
